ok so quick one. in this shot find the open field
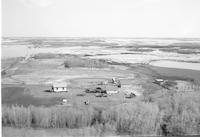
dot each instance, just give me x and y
(85, 132)
(59, 132)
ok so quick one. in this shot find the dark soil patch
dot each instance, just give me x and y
(17, 96)
(177, 74)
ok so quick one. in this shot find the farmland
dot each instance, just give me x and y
(171, 108)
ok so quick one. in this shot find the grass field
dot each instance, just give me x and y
(59, 132)
(17, 95)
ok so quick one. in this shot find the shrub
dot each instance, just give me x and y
(43, 117)
(174, 113)
(181, 114)
(134, 118)
(16, 116)
(44, 56)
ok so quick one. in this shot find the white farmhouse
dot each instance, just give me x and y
(59, 87)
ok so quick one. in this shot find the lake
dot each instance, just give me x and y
(118, 50)
(176, 64)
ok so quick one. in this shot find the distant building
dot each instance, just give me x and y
(59, 87)
(112, 91)
(64, 101)
(116, 81)
(159, 81)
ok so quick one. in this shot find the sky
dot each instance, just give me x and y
(101, 18)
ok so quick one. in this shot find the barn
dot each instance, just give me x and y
(159, 81)
(59, 87)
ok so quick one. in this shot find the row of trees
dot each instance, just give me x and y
(170, 114)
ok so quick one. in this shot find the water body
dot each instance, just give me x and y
(176, 64)
(136, 50)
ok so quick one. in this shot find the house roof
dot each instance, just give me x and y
(60, 84)
(159, 80)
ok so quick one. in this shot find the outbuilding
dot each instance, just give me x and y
(112, 92)
(159, 81)
(116, 81)
(59, 87)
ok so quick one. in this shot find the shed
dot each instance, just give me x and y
(59, 87)
(112, 91)
(158, 81)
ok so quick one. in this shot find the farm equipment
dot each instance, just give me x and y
(130, 95)
(96, 90)
(101, 95)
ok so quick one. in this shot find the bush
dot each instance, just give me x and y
(181, 114)
(16, 116)
(134, 118)
(43, 117)
(44, 56)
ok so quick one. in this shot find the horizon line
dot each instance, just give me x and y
(98, 37)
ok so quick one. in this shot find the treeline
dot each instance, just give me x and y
(169, 114)
(74, 61)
